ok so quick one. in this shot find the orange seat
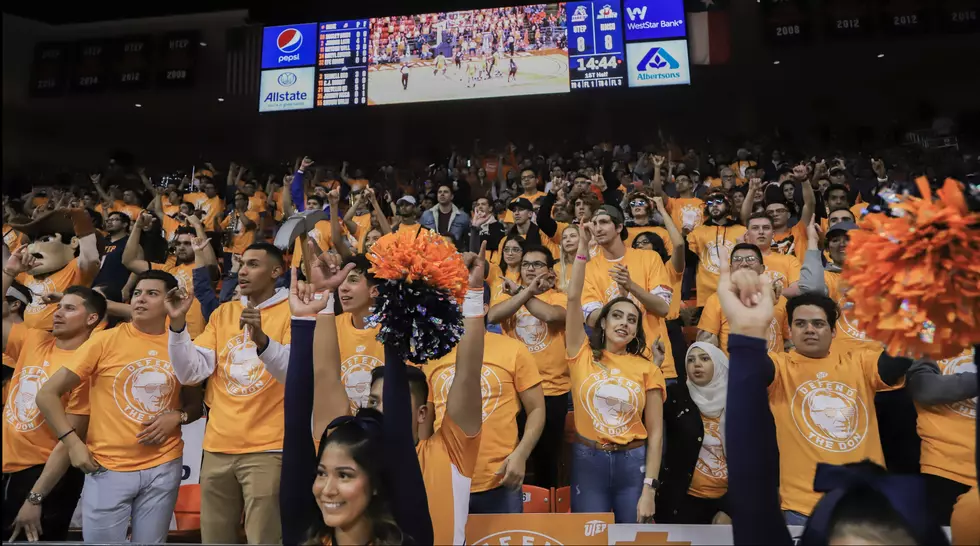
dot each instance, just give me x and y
(537, 500)
(187, 511)
(563, 500)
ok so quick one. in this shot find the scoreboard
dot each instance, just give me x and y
(497, 52)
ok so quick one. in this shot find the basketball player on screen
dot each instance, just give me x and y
(440, 65)
(513, 71)
(404, 71)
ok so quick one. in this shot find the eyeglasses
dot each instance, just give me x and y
(639, 203)
(508, 250)
(533, 265)
(713, 202)
(747, 260)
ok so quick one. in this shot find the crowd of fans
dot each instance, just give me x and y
(625, 288)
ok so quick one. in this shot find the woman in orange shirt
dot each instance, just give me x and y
(618, 398)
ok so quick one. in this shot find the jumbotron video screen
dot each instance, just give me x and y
(474, 54)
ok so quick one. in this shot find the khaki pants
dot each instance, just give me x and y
(233, 483)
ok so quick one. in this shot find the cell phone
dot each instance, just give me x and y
(469, 163)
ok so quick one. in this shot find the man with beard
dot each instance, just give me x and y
(706, 242)
(65, 252)
(180, 265)
(408, 214)
(445, 218)
(243, 354)
(112, 271)
(686, 209)
(40, 487)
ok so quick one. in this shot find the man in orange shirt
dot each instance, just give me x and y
(133, 450)
(786, 239)
(706, 242)
(536, 316)
(206, 201)
(240, 226)
(529, 185)
(447, 457)
(40, 487)
(686, 209)
(180, 265)
(64, 244)
(783, 269)
(243, 354)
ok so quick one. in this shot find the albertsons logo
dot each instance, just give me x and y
(657, 59)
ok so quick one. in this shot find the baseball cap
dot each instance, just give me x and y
(408, 199)
(841, 227)
(612, 212)
(520, 203)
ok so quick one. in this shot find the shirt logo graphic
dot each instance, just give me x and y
(961, 364)
(355, 373)
(39, 288)
(691, 216)
(848, 324)
(612, 402)
(532, 331)
(710, 258)
(21, 410)
(490, 387)
(243, 372)
(711, 460)
(830, 414)
(145, 388)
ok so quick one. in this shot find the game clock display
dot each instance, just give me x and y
(481, 53)
(595, 45)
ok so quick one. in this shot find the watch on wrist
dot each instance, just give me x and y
(652, 483)
(35, 498)
(183, 417)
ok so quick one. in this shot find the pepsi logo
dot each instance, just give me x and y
(286, 79)
(289, 40)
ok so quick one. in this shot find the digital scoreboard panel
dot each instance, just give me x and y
(494, 52)
(596, 55)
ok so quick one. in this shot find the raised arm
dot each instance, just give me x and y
(809, 202)
(574, 318)
(351, 211)
(131, 254)
(337, 236)
(464, 403)
(287, 195)
(928, 385)
(658, 180)
(755, 186)
(811, 272)
(89, 259)
(677, 260)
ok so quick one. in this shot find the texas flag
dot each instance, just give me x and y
(708, 31)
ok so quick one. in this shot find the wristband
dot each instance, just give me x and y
(63, 436)
(329, 309)
(14, 275)
(473, 303)
(582, 257)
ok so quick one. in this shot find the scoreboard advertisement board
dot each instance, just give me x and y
(495, 52)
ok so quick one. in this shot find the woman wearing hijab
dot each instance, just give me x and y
(695, 472)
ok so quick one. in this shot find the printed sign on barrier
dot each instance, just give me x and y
(538, 529)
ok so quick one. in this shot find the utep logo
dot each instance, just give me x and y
(580, 14)
(634, 13)
(594, 527)
(287, 79)
(658, 59)
(607, 12)
(289, 41)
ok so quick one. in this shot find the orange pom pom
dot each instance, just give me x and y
(420, 257)
(914, 279)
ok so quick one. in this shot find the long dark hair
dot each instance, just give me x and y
(520, 241)
(361, 436)
(597, 340)
(656, 242)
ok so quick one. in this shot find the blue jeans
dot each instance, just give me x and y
(607, 481)
(795, 518)
(500, 500)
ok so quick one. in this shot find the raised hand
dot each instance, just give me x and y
(541, 284)
(251, 318)
(658, 161)
(306, 163)
(200, 243)
(21, 261)
(658, 202)
(510, 287)
(178, 303)
(326, 273)
(479, 218)
(334, 197)
(304, 300)
(476, 264)
(813, 233)
(746, 298)
(878, 166)
(800, 171)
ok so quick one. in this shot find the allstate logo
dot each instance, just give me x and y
(287, 79)
(289, 40)
(657, 58)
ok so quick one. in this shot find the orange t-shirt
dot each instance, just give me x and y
(782, 268)
(495, 279)
(545, 343)
(710, 477)
(792, 242)
(133, 211)
(211, 207)
(245, 401)
(132, 381)
(676, 284)
(360, 352)
(39, 314)
(706, 241)
(241, 238)
(632, 232)
(647, 270)
(850, 337)
(184, 273)
(256, 203)
(13, 238)
(687, 212)
(170, 225)
(507, 371)
(714, 321)
(824, 413)
(948, 431)
(27, 441)
(448, 460)
(321, 233)
(610, 396)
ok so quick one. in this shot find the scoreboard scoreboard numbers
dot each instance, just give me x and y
(342, 61)
(596, 54)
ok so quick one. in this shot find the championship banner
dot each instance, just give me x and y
(132, 60)
(48, 72)
(538, 529)
(177, 59)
